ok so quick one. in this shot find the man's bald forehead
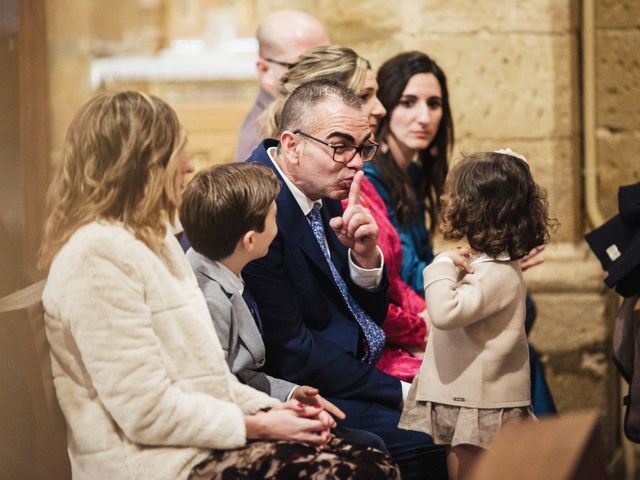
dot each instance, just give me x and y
(289, 33)
(316, 116)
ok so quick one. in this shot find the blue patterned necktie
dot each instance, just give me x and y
(372, 332)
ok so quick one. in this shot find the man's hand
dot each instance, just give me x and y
(534, 258)
(310, 396)
(357, 229)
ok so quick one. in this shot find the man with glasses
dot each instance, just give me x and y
(282, 36)
(322, 290)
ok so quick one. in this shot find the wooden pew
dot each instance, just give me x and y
(568, 447)
(33, 441)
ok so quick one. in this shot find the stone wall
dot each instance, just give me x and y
(512, 73)
(618, 98)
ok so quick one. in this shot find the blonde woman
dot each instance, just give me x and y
(404, 327)
(333, 62)
(138, 369)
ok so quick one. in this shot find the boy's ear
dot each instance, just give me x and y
(248, 240)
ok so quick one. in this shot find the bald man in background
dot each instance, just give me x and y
(282, 36)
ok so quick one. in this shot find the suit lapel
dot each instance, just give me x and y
(290, 218)
(247, 329)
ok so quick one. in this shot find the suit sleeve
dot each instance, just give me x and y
(298, 353)
(275, 387)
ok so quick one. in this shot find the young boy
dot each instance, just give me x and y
(229, 216)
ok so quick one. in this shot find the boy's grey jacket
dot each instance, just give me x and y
(238, 333)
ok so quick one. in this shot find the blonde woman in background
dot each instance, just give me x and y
(404, 326)
(331, 62)
(139, 372)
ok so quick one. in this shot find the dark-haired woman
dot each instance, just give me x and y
(416, 138)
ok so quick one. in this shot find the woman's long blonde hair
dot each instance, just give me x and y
(333, 62)
(119, 163)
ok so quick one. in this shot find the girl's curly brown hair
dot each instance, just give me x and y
(491, 199)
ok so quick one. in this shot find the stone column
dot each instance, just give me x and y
(618, 98)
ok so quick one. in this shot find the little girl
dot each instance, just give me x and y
(475, 374)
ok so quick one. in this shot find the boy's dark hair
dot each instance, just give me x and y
(221, 204)
(491, 199)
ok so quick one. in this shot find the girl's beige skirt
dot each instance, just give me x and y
(453, 425)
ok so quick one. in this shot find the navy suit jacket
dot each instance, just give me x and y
(310, 335)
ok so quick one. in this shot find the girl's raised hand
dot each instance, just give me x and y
(461, 257)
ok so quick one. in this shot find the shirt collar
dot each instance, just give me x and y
(305, 203)
(234, 280)
(483, 257)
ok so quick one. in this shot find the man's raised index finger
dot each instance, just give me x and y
(354, 190)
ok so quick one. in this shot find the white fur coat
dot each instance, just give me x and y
(138, 369)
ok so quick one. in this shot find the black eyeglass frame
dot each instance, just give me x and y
(286, 65)
(356, 150)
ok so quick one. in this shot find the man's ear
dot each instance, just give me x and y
(291, 146)
(262, 67)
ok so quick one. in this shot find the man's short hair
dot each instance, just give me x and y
(298, 110)
(223, 203)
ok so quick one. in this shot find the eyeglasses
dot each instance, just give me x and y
(346, 153)
(278, 62)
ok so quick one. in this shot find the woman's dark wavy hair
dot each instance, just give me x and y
(393, 77)
(491, 199)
